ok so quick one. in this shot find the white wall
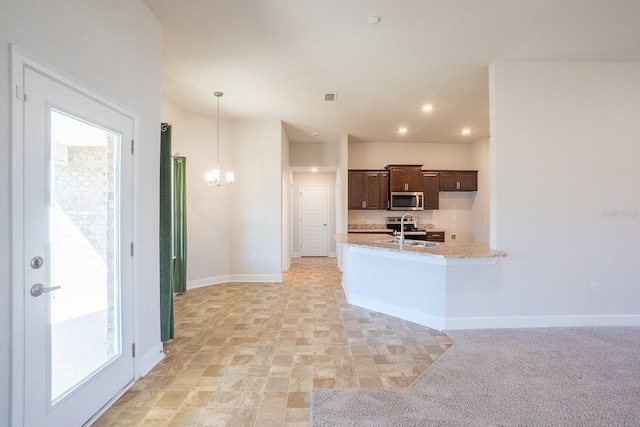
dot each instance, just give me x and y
(256, 235)
(480, 209)
(463, 214)
(565, 143)
(287, 195)
(342, 192)
(314, 154)
(228, 226)
(208, 207)
(113, 47)
(376, 155)
(326, 178)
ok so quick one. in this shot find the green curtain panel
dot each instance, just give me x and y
(166, 256)
(179, 225)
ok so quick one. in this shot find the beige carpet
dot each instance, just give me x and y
(507, 377)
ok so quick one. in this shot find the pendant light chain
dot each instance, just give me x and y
(218, 95)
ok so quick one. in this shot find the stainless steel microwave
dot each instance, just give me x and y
(406, 201)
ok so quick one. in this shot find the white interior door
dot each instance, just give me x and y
(314, 216)
(77, 265)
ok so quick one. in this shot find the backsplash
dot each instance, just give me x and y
(367, 226)
(363, 220)
(384, 226)
(454, 217)
(380, 217)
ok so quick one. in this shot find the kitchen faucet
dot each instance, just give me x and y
(415, 224)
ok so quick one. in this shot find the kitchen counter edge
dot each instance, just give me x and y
(443, 250)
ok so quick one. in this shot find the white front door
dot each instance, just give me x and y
(314, 214)
(77, 231)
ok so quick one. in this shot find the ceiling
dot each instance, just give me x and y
(276, 59)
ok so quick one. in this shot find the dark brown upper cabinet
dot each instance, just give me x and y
(368, 189)
(431, 189)
(405, 177)
(458, 180)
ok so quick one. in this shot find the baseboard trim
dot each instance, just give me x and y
(297, 255)
(421, 318)
(346, 290)
(542, 321)
(507, 322)
(208, 281)
(233, 278)
(256, 277)
(149, 360)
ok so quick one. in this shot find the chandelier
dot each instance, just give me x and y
(212, 176)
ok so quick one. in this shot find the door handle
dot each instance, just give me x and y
(39, 289)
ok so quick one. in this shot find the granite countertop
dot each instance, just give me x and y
(442, 250)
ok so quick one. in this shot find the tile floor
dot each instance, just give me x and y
(247, 354)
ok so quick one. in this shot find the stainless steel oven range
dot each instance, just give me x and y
(411, 230)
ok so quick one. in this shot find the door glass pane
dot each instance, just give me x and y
(84, 332)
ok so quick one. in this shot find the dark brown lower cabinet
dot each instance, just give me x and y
(435, 236)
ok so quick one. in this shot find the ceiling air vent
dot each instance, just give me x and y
(329, 96)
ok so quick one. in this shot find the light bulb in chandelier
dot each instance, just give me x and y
(212, 177)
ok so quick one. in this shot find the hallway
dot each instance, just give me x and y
(247, 354)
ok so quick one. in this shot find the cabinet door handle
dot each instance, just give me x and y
(458, 185)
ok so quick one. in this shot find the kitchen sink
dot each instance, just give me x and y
(409, 242)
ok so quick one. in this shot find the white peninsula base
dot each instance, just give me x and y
(432, 291)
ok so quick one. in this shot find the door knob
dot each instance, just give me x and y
(39, 289)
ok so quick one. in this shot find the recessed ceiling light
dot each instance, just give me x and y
(314, 170)
(402, 130)
(427, 107)
(466, 131)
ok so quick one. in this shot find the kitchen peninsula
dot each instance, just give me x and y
(432, 286)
